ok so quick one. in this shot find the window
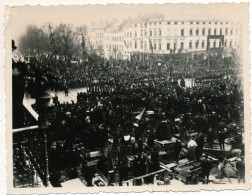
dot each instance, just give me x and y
(135, 25)
(154, 23)
(204, 22)
(209, 31)
(175, 46)
(230, 44)
(182, 22)
(168, 46)
(203, 32)
(182, 32)
(141, 44)
(130, 34)
(226, 22)
(221, 31)
(130, 44)
(197, 32)
(150, 32)
(175, 23)
(191, 32)
(236, 31)
(160, 22)
(159, 46)
(216, 22)
(203, 44)
(145, 24)
(226, 31)
(191, 22)
(155, 32)
(145, 45)
(160, 32)
(219, 43)
(141, 33)
(155, 45)
(231, 32)
(225, 43)
(197, 22)
(214, 44)
(145, 33)
(135, 34)
(168, 23)
(221, 23)
(215, 30)
(135, 45)
(182, 45)
(190, 44)
(209, 22)
(196, 44)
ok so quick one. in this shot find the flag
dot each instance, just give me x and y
(139, 117)
(151, 45)
(125, 43)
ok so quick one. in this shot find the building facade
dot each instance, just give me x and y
(162, 36)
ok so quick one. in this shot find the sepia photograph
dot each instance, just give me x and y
(128, 95)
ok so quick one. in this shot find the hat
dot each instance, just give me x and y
(13, 45)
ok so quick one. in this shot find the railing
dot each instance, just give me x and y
(162, 170)
(28, 157)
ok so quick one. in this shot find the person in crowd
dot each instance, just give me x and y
(240, 167)
(88, 173)
(206, 166)
(139, 169)
(192, 145)
(177, 149)
(221, 138)
(123, 170)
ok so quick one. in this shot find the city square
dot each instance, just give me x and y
(143, 100)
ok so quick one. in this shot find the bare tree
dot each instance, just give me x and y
(35, 41)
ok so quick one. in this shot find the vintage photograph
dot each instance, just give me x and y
(128, 95)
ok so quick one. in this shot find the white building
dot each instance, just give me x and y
(164, 36)
(107, 41)
(96, 40)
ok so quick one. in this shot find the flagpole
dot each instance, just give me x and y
(192, 77)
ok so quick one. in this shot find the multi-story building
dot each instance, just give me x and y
(96, 40)
(158, 36)
(113, 43)
(107, 41)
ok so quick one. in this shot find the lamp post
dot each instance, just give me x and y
(43, 104)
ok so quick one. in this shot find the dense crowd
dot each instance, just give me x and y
(83, 72)
(117, 91)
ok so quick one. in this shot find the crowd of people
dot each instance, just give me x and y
(94, 67)
(117, 92)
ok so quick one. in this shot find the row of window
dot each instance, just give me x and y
(99, 35)
(209, 32)
(115, 47)
(197, 45)
(158, 32)
(181, 22)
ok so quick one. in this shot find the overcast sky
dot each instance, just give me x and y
(78, 15)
